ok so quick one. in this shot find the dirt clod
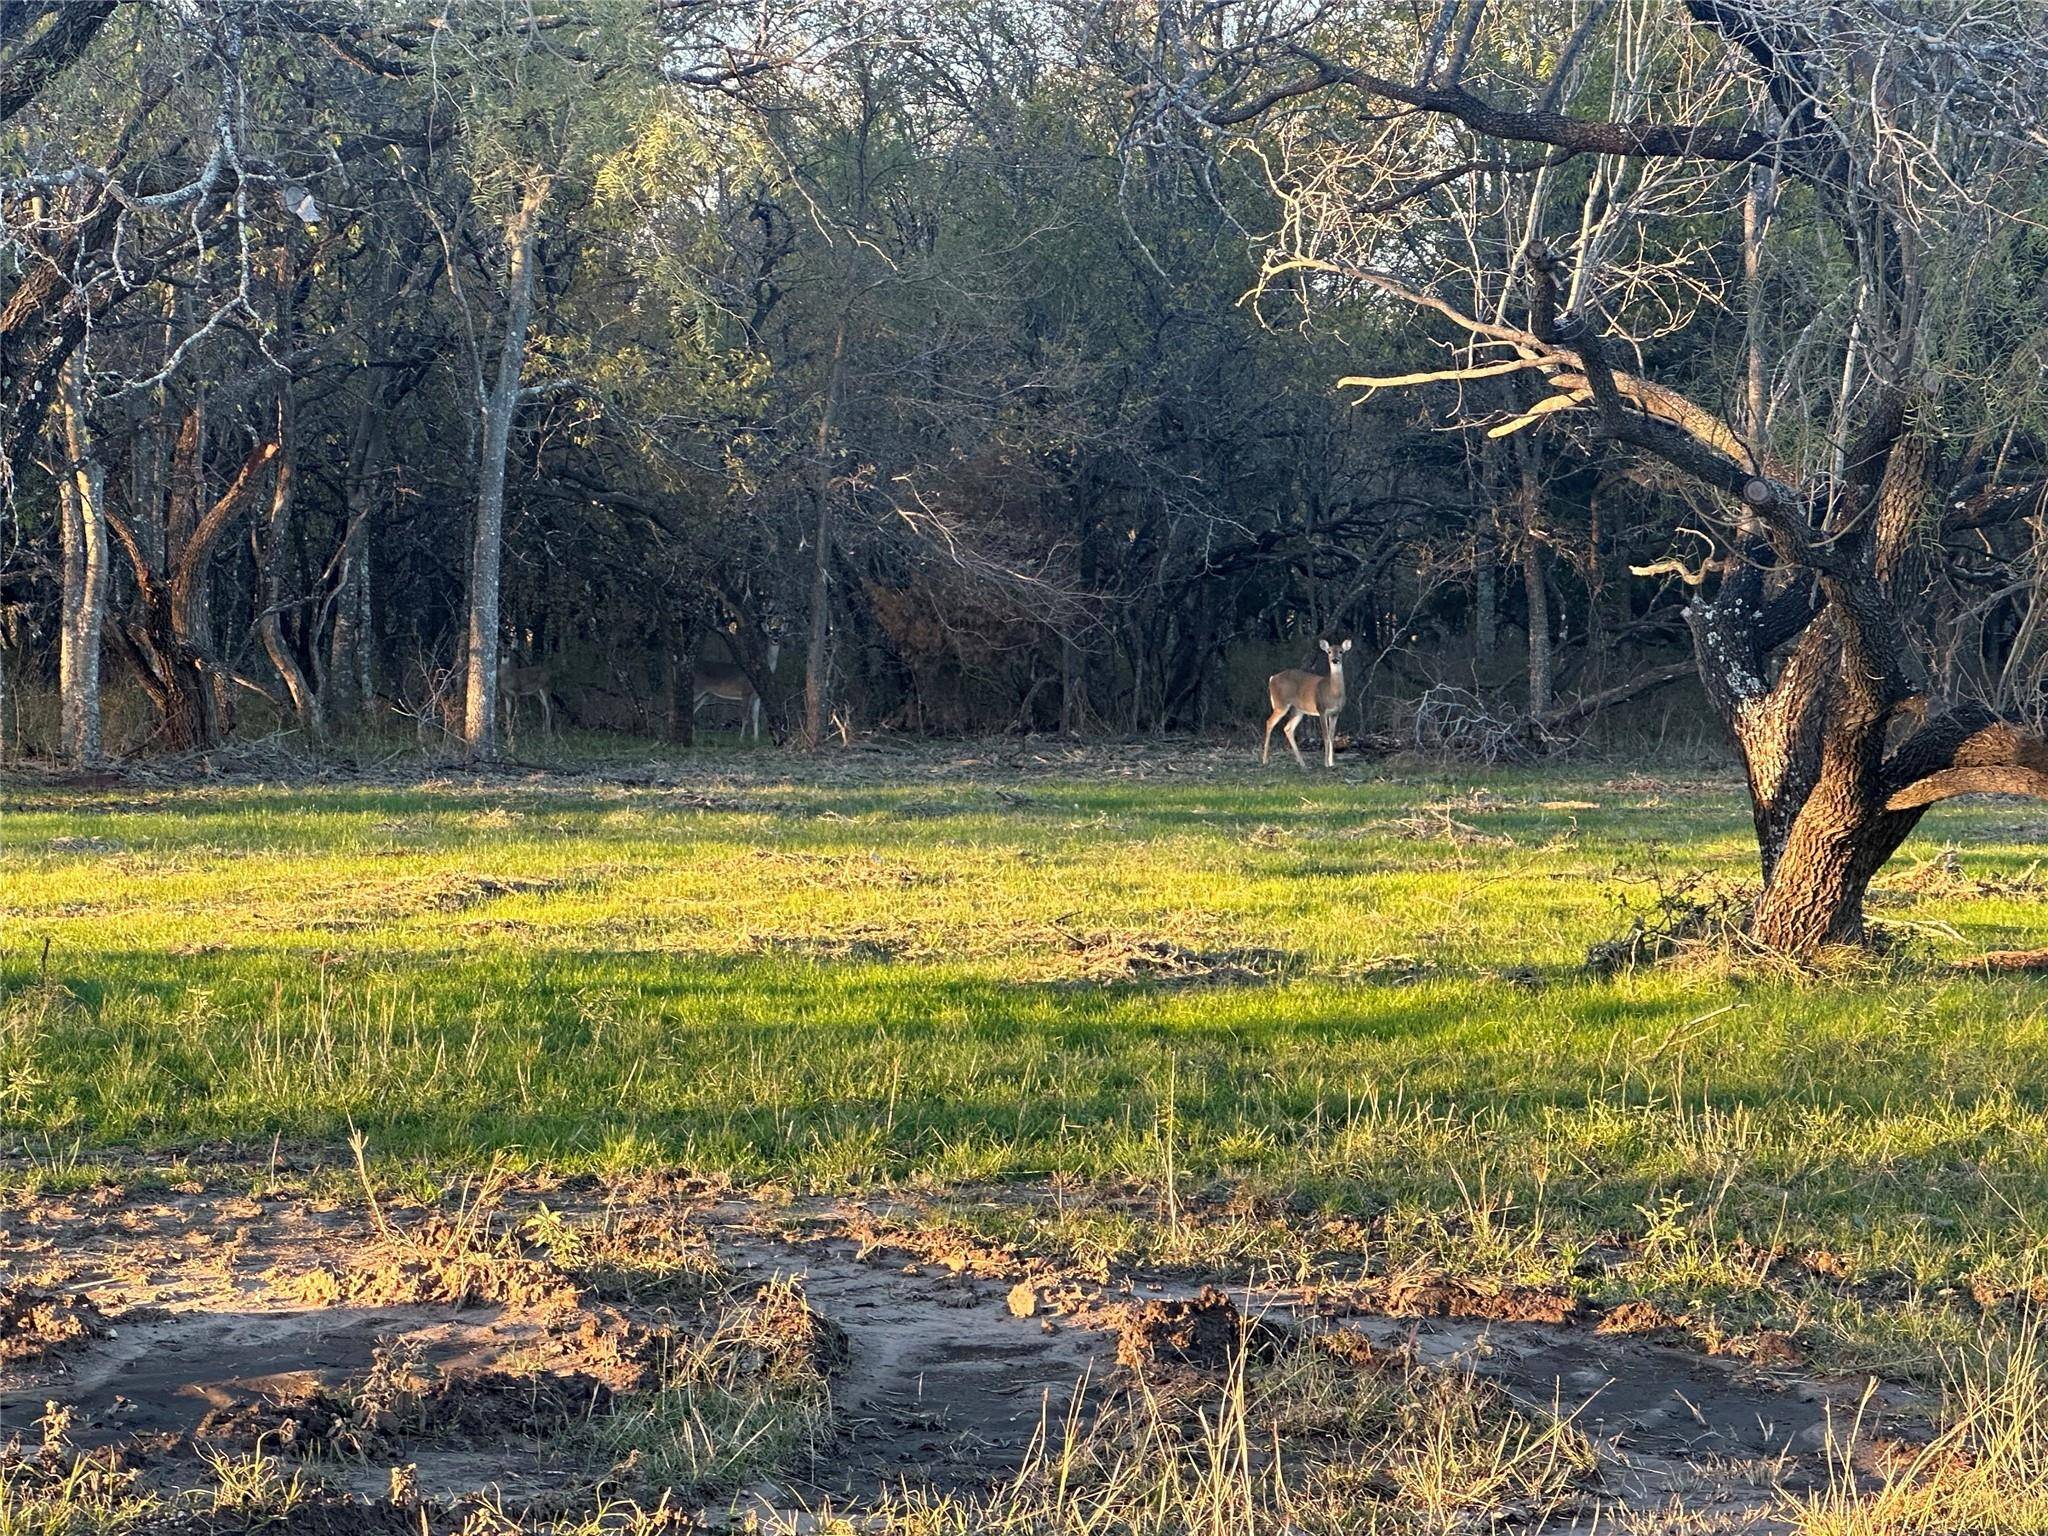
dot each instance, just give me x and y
(438, 1263)
(1439, 1296)
(1637, 1318)
(1761, 1346)
(394, 1409)
(35, 1324)
(1204, 1334)
(304, 1421)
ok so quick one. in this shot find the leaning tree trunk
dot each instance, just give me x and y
(173, 674)
(480, 711)
(164, 644)
(305, 701)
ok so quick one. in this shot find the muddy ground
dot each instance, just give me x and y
(499, 1343)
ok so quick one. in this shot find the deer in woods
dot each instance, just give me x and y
(516, 683)
(1296, 694)
(723, 680)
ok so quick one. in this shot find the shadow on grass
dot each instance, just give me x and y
(849, 1068)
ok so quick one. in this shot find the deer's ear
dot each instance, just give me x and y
(1345, 646)
(1325, 645)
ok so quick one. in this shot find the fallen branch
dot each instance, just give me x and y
(1571, 714)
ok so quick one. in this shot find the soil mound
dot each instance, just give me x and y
(1206, 1333)
(776, 1335)
(35, 1324)
(1439, 1296)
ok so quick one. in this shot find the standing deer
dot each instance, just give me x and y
(1308, 693)
(516, 683)
(723, 680)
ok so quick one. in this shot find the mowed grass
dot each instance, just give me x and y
(1292, 1000)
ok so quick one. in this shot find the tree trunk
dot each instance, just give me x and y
(182, 518)
(1823, 838)
(1756, 201)
(1486, 603)
(83, 493)
(269, 626)
(817, 659)
(817, 655)
(172, 662)
(349, 684)
(1831, 800)
(480, 713)
(1068, 713)
(1536, 580)
(174, 675)
(678, 668)
(1528, 497)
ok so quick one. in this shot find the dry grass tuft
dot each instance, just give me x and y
(1310, 1441)
(1984, 1474)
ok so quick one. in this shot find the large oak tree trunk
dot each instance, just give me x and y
(1822, 831)
(1841, 754)
(1832, 808)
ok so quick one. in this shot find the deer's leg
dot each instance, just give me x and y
(756, 713)
(1294, 724)
(1329, 724)
(1266, 748)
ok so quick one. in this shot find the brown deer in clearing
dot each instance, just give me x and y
(1296, 694)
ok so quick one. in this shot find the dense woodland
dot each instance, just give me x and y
(470, 369)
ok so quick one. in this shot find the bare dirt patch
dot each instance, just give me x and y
(489, 1339)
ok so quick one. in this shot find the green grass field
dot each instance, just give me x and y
(1213, 1010)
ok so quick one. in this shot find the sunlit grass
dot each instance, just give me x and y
(1364, 996)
